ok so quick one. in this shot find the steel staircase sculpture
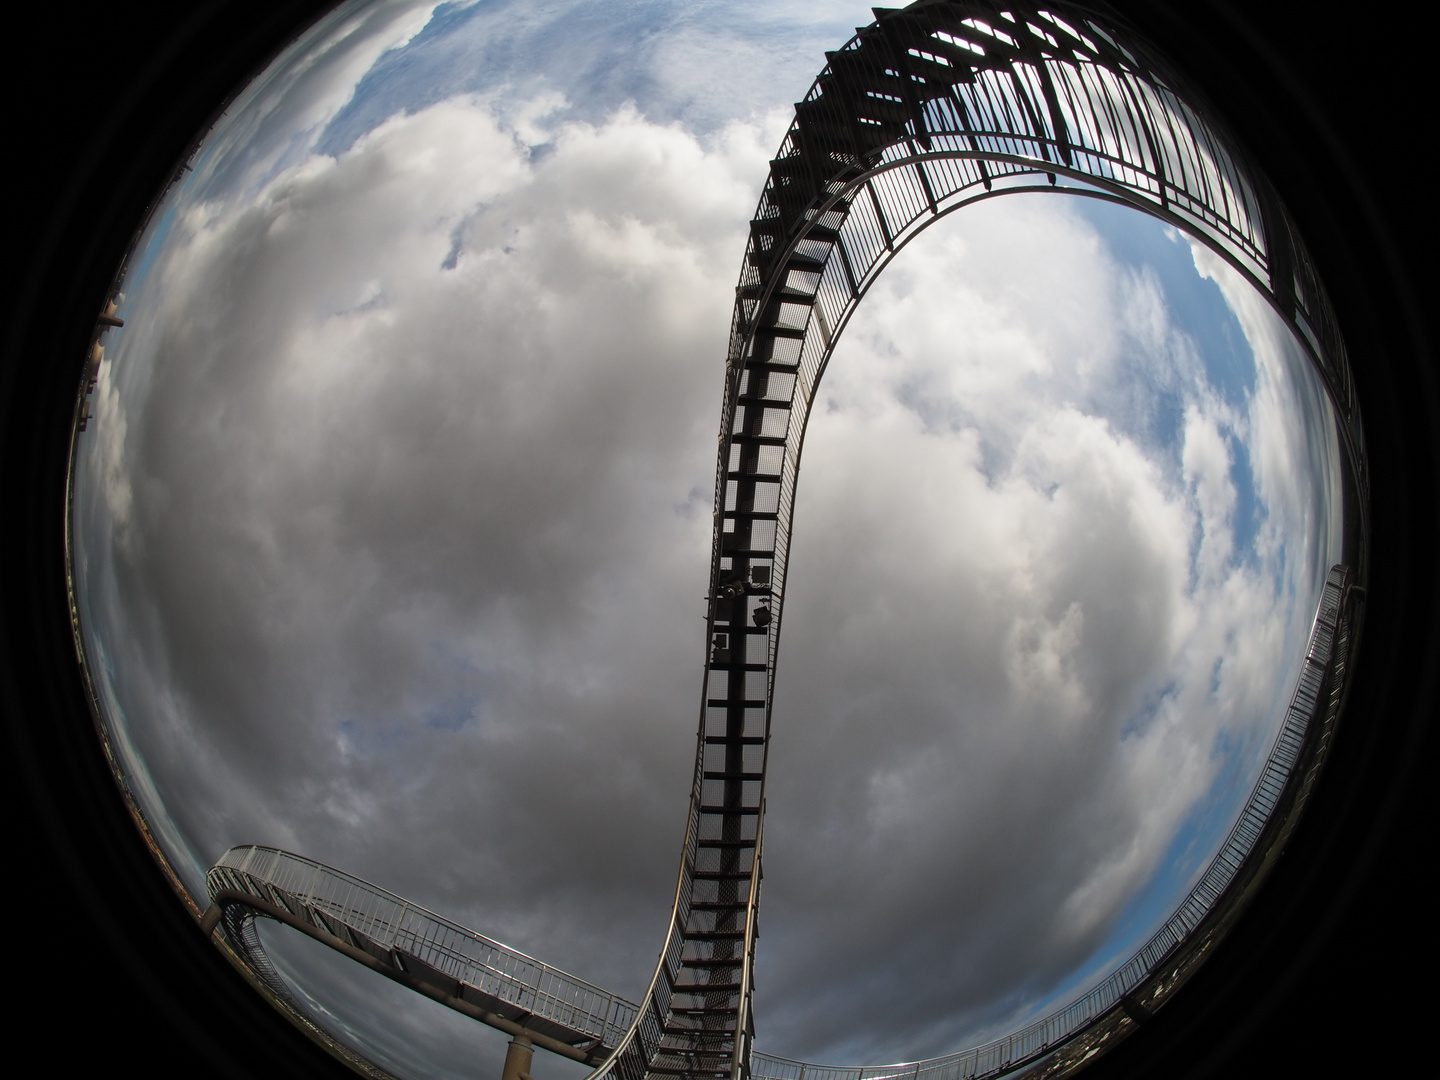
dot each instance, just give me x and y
(926, 110)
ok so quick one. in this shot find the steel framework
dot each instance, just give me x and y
(926, 110)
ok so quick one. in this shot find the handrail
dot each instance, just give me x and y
(427, 946)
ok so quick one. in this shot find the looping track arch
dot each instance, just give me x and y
(924, 111)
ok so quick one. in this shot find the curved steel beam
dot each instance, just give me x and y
(421, 979)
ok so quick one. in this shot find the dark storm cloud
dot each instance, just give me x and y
(397, 517)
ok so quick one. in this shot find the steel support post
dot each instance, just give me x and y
(518, 1057)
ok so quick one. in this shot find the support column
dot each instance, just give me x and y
(517, 1059)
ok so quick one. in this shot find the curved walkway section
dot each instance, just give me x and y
(924, 111)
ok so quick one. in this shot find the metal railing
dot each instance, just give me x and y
(425, 946)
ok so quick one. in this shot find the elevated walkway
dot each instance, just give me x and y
(531, 1000)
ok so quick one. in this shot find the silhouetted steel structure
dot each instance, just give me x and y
(477, 976)
(928, 109)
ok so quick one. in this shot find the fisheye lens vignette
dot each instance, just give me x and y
(282, 195)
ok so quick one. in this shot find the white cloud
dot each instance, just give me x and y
(111, 427)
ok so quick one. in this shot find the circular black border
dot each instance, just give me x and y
(1329, 967)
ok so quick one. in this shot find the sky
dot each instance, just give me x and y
(392, 530)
